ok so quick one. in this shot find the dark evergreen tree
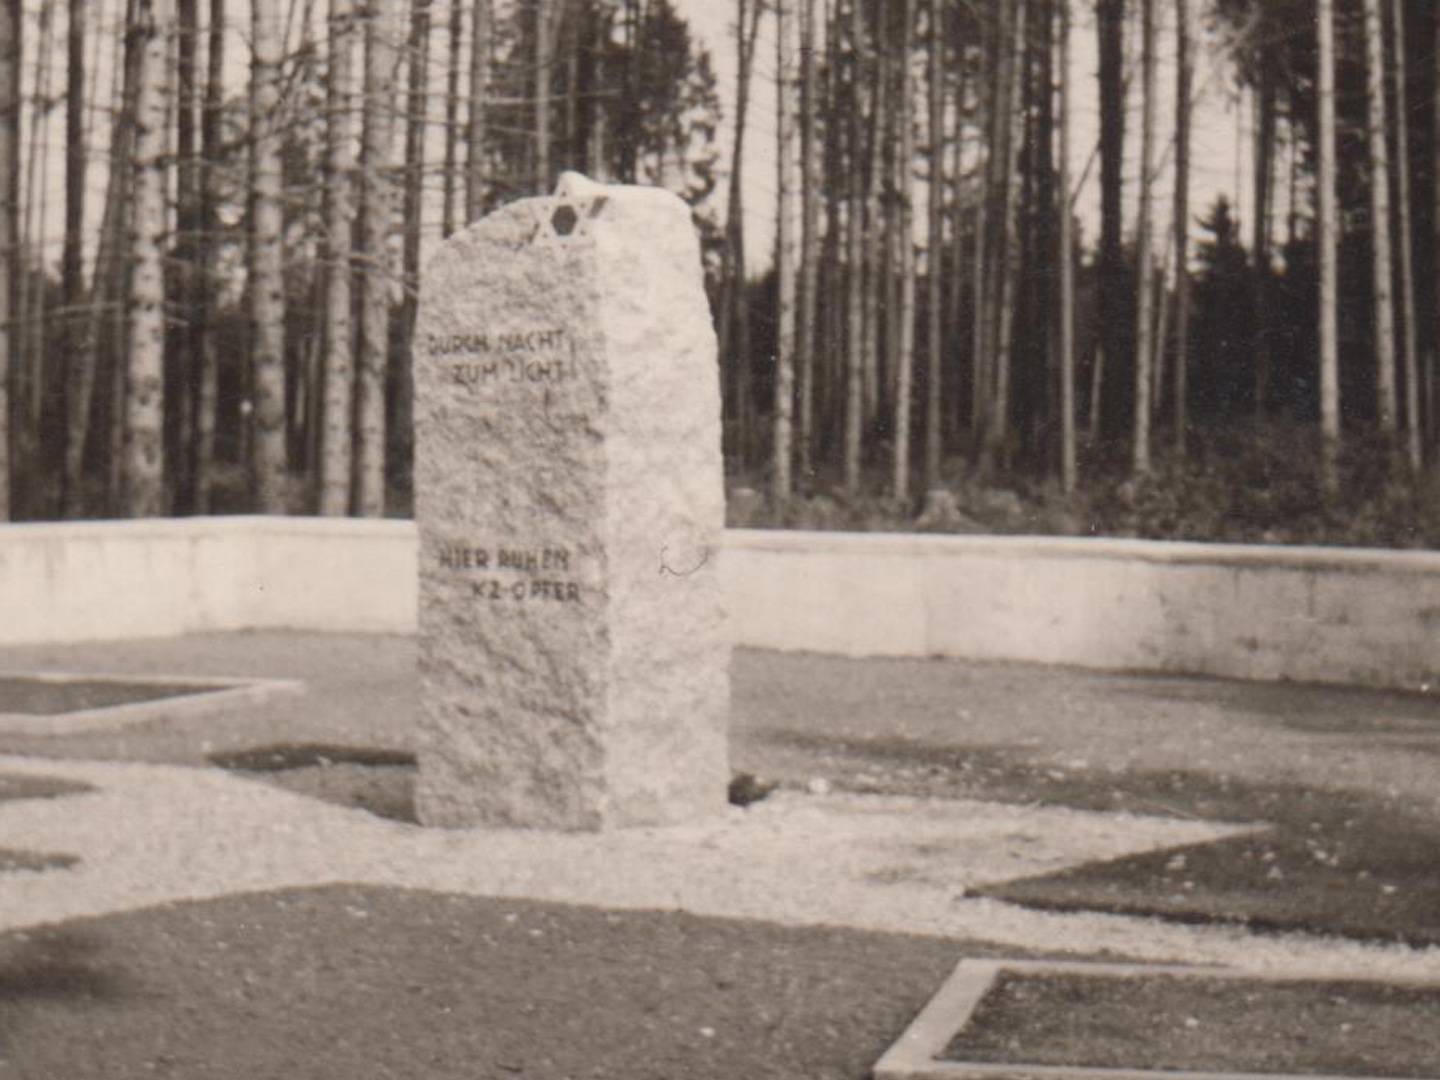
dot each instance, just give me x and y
(1222, 382)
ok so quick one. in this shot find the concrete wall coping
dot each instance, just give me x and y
(1307, 558)
(1280, 557)
(245, 524)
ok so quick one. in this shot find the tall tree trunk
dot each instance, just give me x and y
(1068, 471)
(206, 386)
(336, 431)
(1012, 135)
(11, 26)
(980, 294)
(477, 135)
(72, 279)
(1432, 360)
(1042, 391)
(1009, 296)
(189, 240)
(830, 350)
(107, 292)
(382, 62)
(28, 377)
(598, 147)
(1160, 322)
(1264, 164)
(935, 245)
(574, 143)
(1110, 26)
(142, 467)
(784, 254)
(888, 369)
(627, 143)
(905, 366)
(876, 263)
(72, 284)
(401, 395)
(734, 304)
(1383, 327)
(452, 118)
(810, 195)
(1184, 78)
(954, 270)
(855, 259)
(1140, 460)
(544, 58)
(116, 288)
(268, 469)
(991, 259)
(1407, 267)
(1325, 233)
(51, 377)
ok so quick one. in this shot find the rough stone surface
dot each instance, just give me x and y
(574, 664)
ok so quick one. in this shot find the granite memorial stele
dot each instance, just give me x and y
(570, 504)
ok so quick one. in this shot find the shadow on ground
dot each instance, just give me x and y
(344, 982)
(377, 780)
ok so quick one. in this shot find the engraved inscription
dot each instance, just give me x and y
(482, 358)
(526, 561)
(483, 342)
(456, 557)
(534, 589)
(555, 370)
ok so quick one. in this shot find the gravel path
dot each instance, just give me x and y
(157, 830)
(152, 834)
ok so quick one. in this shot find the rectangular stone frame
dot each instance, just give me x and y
(219, 692)
(916, 1054)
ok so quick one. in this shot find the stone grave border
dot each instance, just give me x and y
(916, 1054)
(231, 691)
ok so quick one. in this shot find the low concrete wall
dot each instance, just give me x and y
(1307, 614)
(92, 580)
(1313, 614)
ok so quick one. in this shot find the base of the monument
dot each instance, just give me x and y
(451, 798)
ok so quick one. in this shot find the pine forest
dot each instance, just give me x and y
(992, 280)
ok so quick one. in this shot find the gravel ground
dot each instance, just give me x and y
(154, 833)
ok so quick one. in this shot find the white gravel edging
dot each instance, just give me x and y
(154, 834)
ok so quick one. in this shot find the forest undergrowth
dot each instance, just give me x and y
(1241, 484)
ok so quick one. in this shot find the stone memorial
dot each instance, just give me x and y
(569, 499)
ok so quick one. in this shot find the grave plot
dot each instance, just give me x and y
(62, 703)
(1028, 1020)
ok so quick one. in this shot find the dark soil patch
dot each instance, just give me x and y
(279, 757)
(1323, 710)
(22, 786)
(1371, 880)
(46, 697)
(12, 860)
(344, 982)
(1355, 864)
(379, 781)
(1341, 1028)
